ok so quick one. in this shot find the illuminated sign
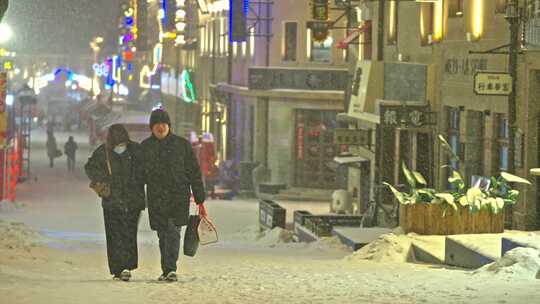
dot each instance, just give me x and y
(180, 22)
(238, 30)
(7, 65)
(187, 88)
(492, 83)
(102, 70)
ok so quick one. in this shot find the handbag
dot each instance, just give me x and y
(103, 189)
(191, 236)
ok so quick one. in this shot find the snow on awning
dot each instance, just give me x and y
(343, 160)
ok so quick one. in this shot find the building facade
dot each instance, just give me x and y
(437, 49)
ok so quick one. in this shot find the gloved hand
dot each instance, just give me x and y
(202, 210)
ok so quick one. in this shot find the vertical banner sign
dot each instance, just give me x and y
(3, 112)
(300, 141)
(238, 30)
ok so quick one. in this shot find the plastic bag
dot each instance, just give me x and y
(207, 231)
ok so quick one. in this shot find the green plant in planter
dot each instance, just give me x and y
(494, 197)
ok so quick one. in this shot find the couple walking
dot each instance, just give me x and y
(166, 164)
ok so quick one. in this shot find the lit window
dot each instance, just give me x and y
(393, 20)
(252, 41)
(455, 8)
(289, 41)
(321, 51)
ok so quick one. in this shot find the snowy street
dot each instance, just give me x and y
(52, 251)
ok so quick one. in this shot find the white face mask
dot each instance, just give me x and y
(120, 149)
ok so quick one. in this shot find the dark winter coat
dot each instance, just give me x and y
(70, 148)
(51, 146)
(171, 174)
(127, 187)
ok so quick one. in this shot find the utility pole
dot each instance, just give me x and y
(513, 18)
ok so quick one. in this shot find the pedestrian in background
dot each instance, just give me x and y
(115, 165)
(52, 148)
(171, 174)
(70, 149)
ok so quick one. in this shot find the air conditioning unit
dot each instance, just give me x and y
(341, 202)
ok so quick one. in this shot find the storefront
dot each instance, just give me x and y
(315, 149)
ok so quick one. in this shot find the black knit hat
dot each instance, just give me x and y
(159, 116)
(117, 134)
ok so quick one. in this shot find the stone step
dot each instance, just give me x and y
(472, 251)
(356, 238)
(528, 241)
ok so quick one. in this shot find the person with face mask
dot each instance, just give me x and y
(116, 164)
(171, 174)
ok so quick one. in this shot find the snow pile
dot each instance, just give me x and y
(16, 236)
(387, 248)
(328, 243)
(249, 233)
(276, 236)
(520, 262)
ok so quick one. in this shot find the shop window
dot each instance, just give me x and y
(455, 8)
(502, 141)
(315, 149)
(500, 6)
(475, 145)
(453, 134)
(289, 41)
(453, 138)
(321, 51)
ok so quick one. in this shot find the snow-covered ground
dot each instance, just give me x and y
(52, 251)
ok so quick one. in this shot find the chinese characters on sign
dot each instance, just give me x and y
(492, 84)
(352, 137)
(464, 66)
(404, 116)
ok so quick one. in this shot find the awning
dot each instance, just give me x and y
(343, 44)
(344, 160)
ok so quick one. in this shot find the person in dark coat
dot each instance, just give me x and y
(52, 148)
(171, 174)
(122, 208)
(70, 148)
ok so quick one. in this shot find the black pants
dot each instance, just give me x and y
(71, 163)
(169, 246)
(121, 233)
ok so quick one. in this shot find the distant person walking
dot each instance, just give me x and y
(70, 149)
(52, 148)
(115, 173)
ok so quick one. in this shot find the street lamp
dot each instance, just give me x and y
(5, 33)
(94, 45)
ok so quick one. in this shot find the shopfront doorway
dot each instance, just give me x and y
(315, 149)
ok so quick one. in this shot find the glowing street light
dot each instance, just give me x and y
(5, 33)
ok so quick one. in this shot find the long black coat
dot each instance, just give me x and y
(171, 174)
(127, 186)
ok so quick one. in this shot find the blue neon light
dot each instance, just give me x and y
(231, 16)
(164, 7)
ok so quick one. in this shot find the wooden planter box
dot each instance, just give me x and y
(428, 219)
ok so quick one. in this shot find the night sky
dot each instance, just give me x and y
(61, 26)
